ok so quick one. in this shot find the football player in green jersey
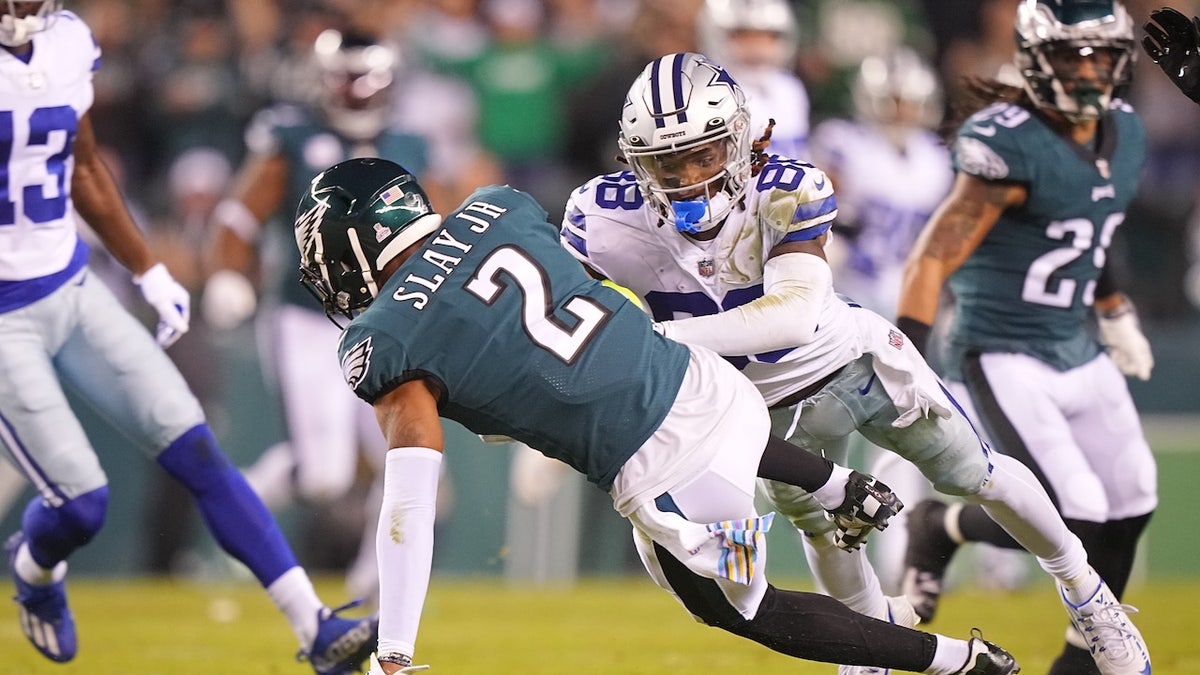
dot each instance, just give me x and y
(1044, 175)
(286, 144)
(483, 318)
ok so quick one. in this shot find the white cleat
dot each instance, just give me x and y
(1115, 643)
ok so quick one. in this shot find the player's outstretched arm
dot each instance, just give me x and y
(1173, 42)
(409, 420)
(99, 201)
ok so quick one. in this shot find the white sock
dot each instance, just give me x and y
(294, 595)
(833, 492)
(949, 657)
(33, 573)
(1015, 499)
(1080, 589)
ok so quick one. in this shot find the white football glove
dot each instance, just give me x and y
(1127, 346)
(169, 299)
(228, 299)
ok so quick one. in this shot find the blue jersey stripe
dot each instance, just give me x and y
(23, 292)
(808, 233)
(577, 242)
(811, 210)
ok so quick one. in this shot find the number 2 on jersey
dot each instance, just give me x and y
(1043, 286)
(546, 330)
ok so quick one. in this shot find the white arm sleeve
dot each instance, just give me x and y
(794, 289)
(405, 544)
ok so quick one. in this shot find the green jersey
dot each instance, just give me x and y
(1030, 285)
(309, 147)
(519, 339)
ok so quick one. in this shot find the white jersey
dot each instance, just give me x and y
(779, 95)
(887, 194)
(609, 227)
(41, 103)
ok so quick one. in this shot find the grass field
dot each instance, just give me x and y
(483, 627)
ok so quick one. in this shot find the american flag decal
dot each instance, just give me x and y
(391, 195)
(355, 363)
(895, 338)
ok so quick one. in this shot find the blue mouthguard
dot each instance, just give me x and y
(688, 214)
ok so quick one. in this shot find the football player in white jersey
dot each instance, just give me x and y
(59, 322)
(726, 247)
(756, 41)
(890, 170)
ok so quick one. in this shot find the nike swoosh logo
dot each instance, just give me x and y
(988, 130)
(819, 183)
(863, 391)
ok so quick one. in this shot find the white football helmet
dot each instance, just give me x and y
(884, 83)
(35, 16)
(685, 131)
(720, 21)
(1050, 29)
(357, 74)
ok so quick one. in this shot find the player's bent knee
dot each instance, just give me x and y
(798, 506)
(964, 480)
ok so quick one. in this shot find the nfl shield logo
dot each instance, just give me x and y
(895, 339)
(705, 267)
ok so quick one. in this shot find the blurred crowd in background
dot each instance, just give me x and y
(528, 92)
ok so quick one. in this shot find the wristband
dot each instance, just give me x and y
(917, 332)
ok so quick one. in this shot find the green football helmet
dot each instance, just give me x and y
(1053, 34)
(356, 217)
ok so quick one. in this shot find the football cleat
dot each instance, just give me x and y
(1115, 643)
(988, 659)
(869, 505)
(929, 553)
(341, 645)
(45, 617)
(900, 612)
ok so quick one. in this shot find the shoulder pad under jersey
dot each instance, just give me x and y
(993, 144)
(794, 196)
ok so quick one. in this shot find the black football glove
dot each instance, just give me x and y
(1173, 42)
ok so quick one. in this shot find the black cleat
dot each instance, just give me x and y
(869, 504)
(929, 553)
(988, 659)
